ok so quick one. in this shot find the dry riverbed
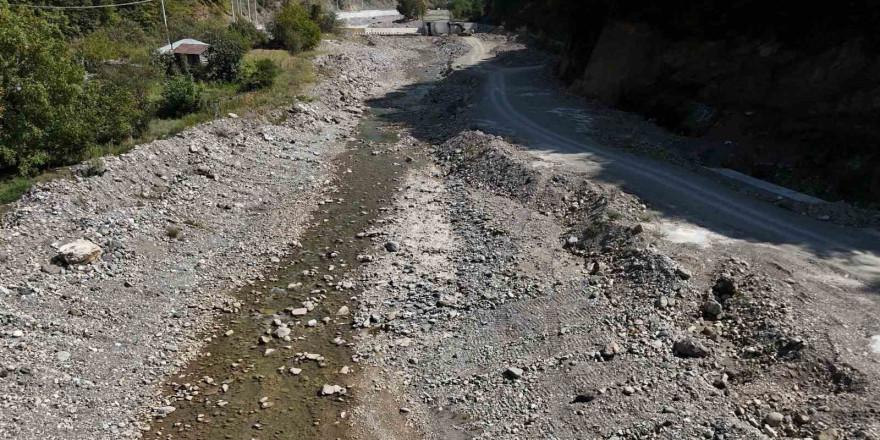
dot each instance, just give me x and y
(372, 268)
(188, 227)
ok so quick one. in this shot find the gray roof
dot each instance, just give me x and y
(174, 45)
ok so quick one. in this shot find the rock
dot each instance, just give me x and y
(163, 411)
(295, 371)
(688, 348)
(282, 332)
(313, 323)
(598, 268)
(802, 419)
(584, 398)
(17, 334)
(638, 229)
(829, 434)
(405, 410)
(683, 273)
(79, 252)
(269, 352)
(712, 309)
(513, 373)
(392, 246)
(232, 115)
(629, 391)
(725, 287)
(572, 240)
(774, 419)
(343, 311)
(299, 312)
(62, 356)
(50, 269)
(610, 350)
(329, 390)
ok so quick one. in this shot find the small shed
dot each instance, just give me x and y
(188, 50)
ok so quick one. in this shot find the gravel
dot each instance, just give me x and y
(107, 278)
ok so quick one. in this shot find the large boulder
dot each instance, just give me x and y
(79, 252)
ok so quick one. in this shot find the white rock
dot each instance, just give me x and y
(80, 252)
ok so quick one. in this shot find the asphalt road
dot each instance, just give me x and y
(516, 102)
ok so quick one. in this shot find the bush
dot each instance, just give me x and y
(466, 9)
(47, 116)
(248, 34)
(224, 59)
(259, 74)
(181, 96)
(412, 9)
(326, 20)
(293, 30)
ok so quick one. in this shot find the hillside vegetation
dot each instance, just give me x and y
(785, 92)
(76, 84)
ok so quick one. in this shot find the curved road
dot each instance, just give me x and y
(516, 102)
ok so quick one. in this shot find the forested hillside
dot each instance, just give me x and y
(788, 92)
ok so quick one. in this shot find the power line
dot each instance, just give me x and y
(81, 7)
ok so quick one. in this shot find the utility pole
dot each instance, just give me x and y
(165, 20)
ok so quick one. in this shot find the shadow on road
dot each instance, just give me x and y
(505, 96)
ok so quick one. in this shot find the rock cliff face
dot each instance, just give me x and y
(785, 92)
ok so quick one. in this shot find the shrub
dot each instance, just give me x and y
(47, 117)
(326, 19)
(259, 74)
(466, 9)
(123, 107)
(412, 9)
(293, 30)
(181, 96)
(224, 59)
(248, 34)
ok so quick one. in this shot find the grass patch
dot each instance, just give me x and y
(613, 215)
(195, 224)
(172, 232)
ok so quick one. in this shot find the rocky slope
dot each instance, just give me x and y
(525, 301)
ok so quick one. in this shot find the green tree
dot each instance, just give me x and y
(224, 59)
(293, 30)
(466, 9)
(246, 32)
(412, 9)
(47, 117)
(326, 19)
(181, 96)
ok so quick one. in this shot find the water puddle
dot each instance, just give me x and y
(251, 383)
